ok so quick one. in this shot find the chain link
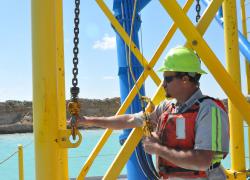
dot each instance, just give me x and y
(75, 90)
(198, 10)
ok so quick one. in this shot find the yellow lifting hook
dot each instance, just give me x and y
(74, 109)
(147, 125)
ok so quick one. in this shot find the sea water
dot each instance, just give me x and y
(77, 156)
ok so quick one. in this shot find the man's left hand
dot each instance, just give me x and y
(151, 144)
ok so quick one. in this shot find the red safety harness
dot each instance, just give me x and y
(177, 131)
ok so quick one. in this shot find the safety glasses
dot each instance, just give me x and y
(169, 79)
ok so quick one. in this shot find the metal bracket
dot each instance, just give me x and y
(231, 174)
(64, 140)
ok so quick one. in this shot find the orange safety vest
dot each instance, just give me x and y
(167, 131)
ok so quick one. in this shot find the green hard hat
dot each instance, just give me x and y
(182, 59)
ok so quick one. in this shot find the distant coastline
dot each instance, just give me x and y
(17, 116)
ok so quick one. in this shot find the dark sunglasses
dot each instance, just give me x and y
(168, 79)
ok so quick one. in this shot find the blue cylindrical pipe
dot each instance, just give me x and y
(123, 11)
(244, 44)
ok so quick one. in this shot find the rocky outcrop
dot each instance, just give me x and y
(16, 116)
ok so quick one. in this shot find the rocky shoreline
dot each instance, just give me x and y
(17, 117)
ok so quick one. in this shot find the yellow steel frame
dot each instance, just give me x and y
(233, 67)
(49, 115)
(48, 84)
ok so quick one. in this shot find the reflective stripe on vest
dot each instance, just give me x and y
(216, 129)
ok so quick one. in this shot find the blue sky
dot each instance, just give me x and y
(98, 59)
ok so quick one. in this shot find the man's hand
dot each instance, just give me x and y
(151, 144)
(82, 121)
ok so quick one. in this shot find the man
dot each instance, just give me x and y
(192, 132)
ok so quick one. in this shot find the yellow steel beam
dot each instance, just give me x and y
(209, 58)
(168, 37)
(63, 153)
(208, 16)
(119, 161)
(50, 157)
(136, 134)
(93, 154)
(233, 67)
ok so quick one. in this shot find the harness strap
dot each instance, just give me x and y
(170, 169)
(206, 97)
(217, 101)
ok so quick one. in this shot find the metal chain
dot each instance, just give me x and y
(198, 10)
(74, 105)
(75, 90)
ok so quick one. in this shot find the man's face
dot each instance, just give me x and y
(171, 84)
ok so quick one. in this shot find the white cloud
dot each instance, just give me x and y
(107, 42)
(109, 77)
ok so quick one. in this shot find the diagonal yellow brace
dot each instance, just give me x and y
(133, 92)
(128, 147)
(208, 57)
(136, 134)
(167, 38)
(126, 39)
